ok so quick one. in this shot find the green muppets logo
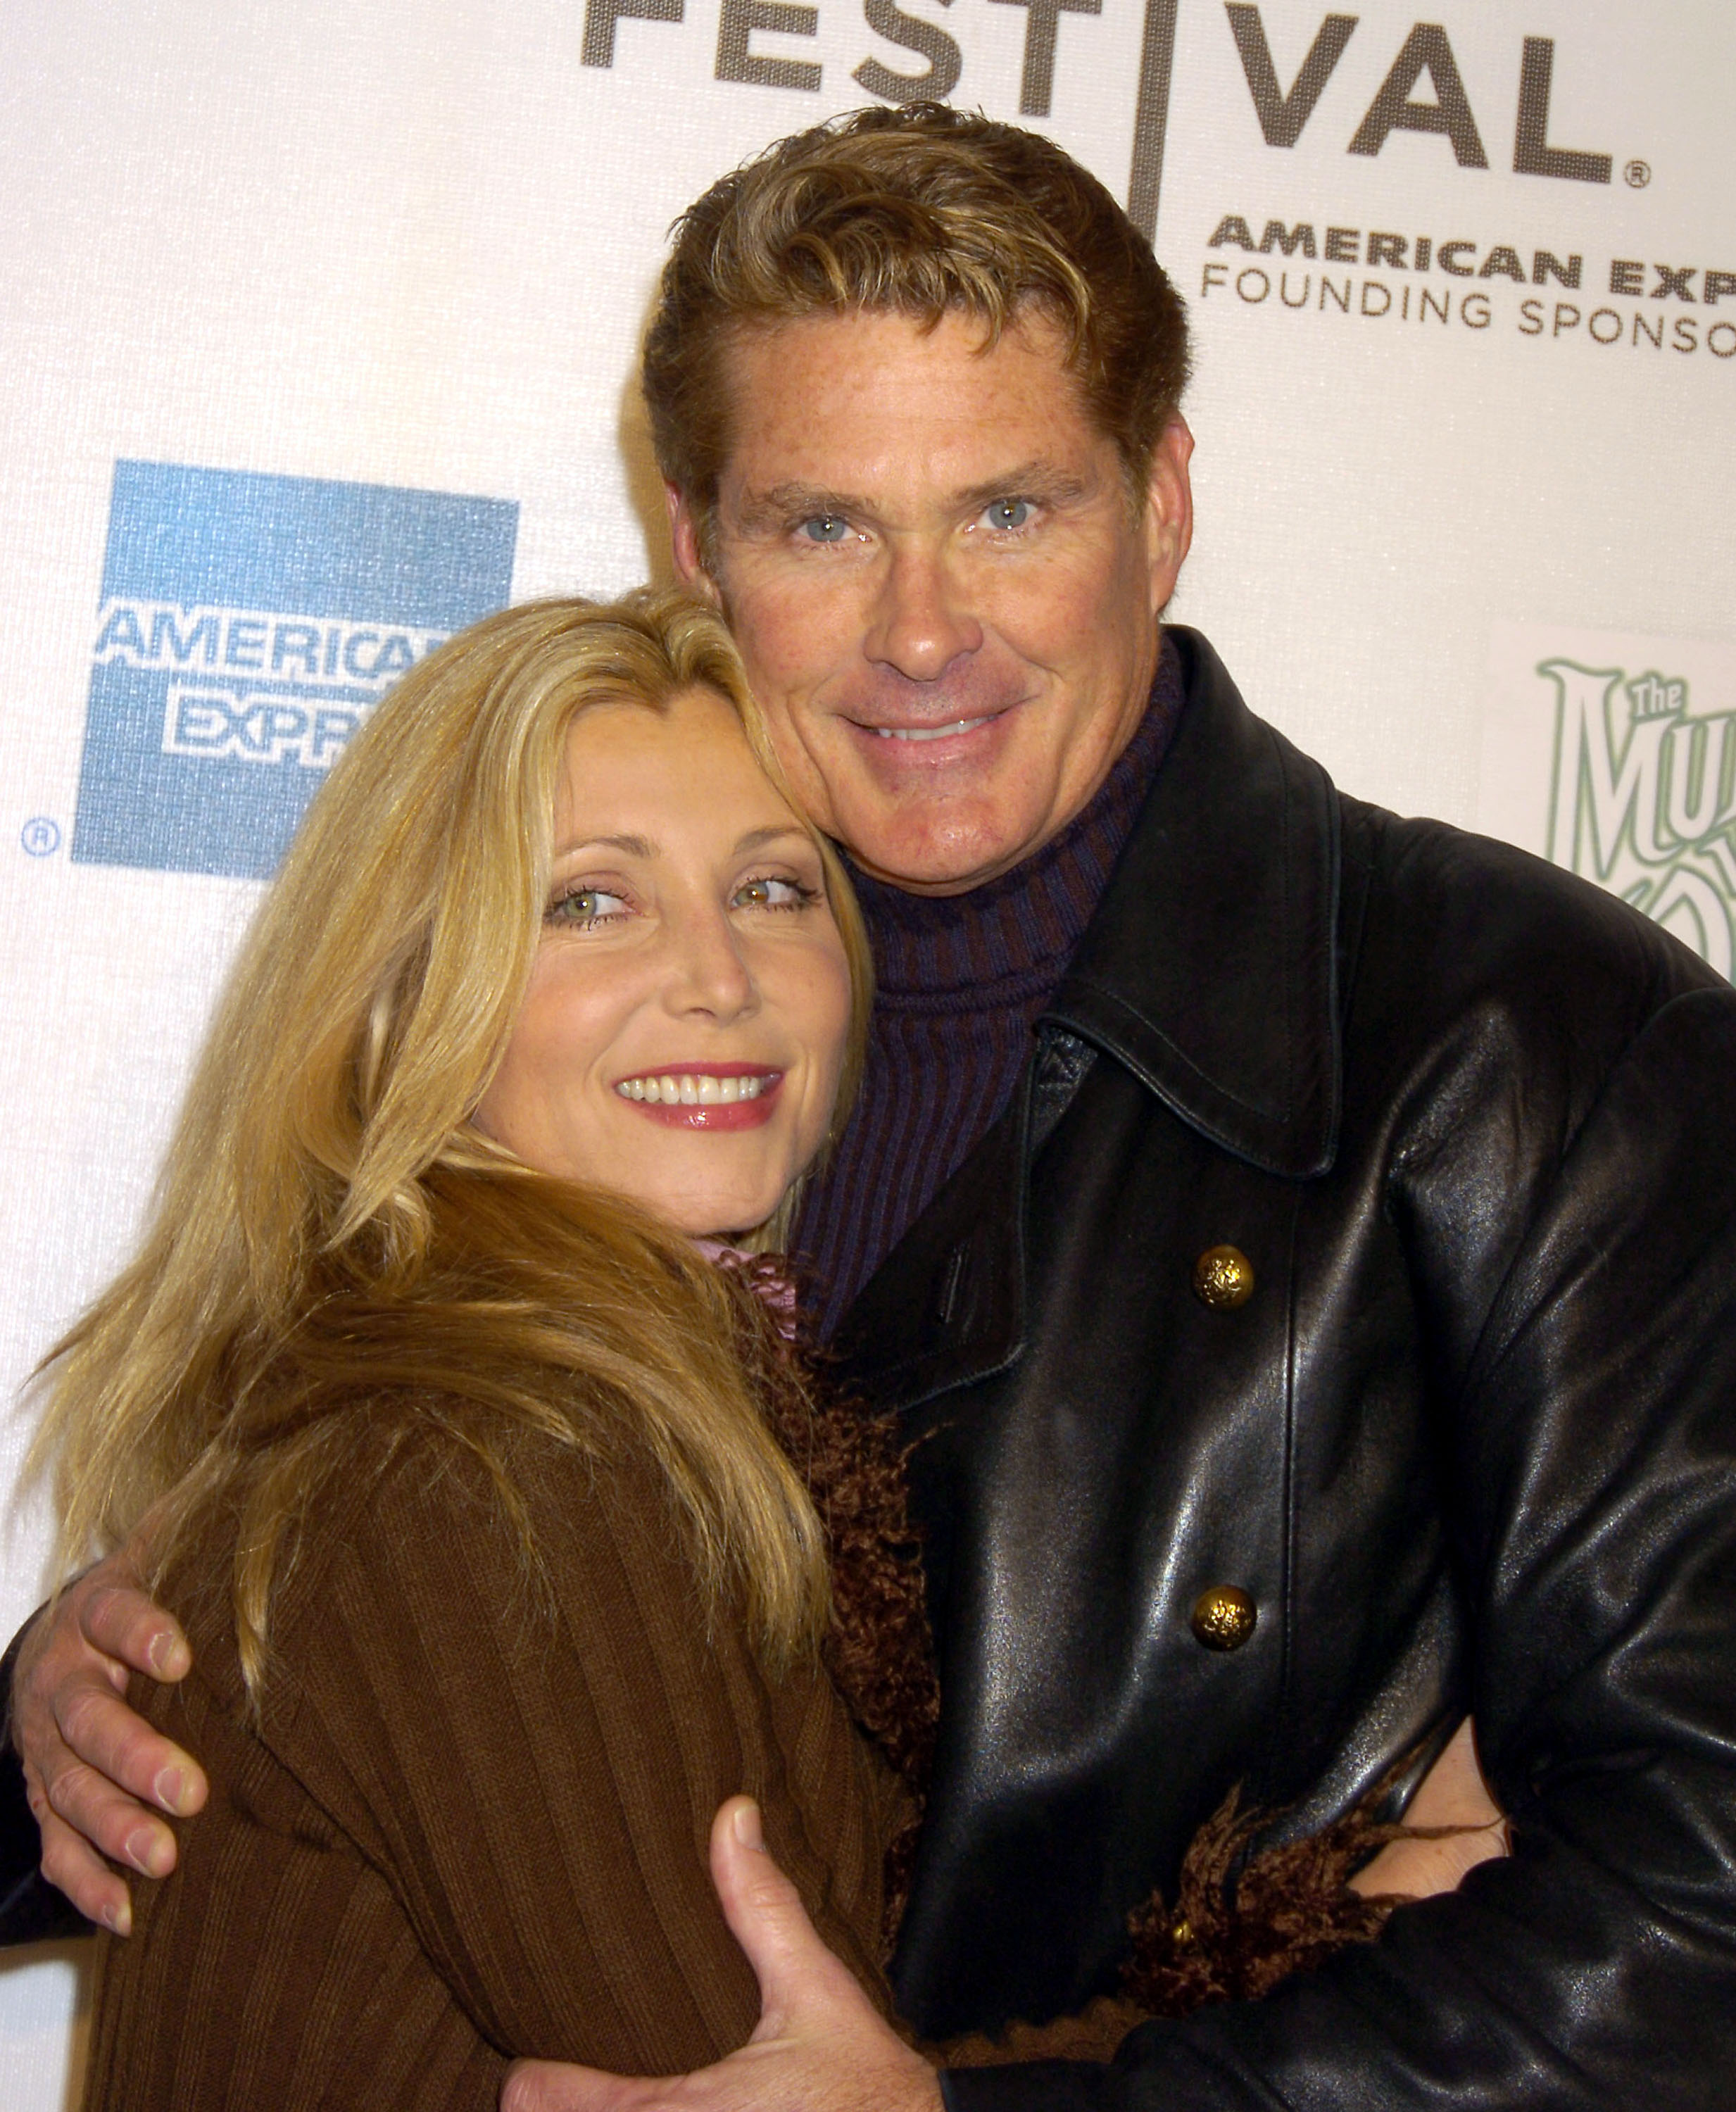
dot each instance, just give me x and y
(1643, 799)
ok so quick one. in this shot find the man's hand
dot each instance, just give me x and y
(820, 2046)
(1454, 1797)
(88, 1759)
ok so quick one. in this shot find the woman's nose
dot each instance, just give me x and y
(708, 972)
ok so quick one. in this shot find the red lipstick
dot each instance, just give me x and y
(703, 1096)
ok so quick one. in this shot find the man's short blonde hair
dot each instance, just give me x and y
(923, 212)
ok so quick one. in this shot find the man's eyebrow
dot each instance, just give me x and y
(1040, 481)
(781, 503)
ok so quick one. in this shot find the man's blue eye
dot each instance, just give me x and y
(1008, 513)
(826, 528)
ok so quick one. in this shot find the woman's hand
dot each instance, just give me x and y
(91, 1767)
(820, 2046)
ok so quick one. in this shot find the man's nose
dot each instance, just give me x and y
(920, 624)
(708, 975)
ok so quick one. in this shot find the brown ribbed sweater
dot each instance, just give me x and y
(471, 1820)
(470, 1825)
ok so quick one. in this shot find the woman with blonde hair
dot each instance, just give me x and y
(449, 1436)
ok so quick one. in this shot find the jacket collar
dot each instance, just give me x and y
(1211, 968)
(1209, 971)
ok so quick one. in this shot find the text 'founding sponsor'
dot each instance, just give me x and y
(248, 623)
(1424, 90)
(1573, 305)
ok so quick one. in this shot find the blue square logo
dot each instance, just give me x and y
(248, 625)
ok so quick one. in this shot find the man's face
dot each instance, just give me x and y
(947, 601)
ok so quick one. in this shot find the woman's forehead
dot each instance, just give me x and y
(685, 765)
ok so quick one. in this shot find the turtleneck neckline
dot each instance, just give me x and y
(960, 982)
(980, 948)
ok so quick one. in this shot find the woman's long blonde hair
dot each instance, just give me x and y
(337, 1250)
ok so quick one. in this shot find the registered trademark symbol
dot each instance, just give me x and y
(1639, 175)
(40, 837)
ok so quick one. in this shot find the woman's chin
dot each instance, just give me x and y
(713, 1200)
(728, 1219)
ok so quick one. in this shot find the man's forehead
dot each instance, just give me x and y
(753, 343)
(802, 393)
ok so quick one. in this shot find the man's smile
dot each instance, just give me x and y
(895, 735)
(932, 733)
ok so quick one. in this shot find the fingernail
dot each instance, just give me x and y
(169, 1788)
(146, 1852)
(166, 1654)
(118, 1919)
(746, 1825)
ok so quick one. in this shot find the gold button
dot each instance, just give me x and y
(1223, 1276)
(1223, 1618)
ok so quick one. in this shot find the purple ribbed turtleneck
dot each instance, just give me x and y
(960, 980)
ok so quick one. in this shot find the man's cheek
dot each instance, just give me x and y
(795, 740)
(783, 666)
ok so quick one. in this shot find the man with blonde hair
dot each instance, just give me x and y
(1298, 1241)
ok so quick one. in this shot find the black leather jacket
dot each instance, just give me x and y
(1470, 1445)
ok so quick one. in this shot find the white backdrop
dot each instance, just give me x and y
(1465, 296)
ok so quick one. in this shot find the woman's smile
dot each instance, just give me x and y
(705, 1095)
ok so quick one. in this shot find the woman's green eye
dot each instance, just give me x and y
(772, 893)
(586, 905)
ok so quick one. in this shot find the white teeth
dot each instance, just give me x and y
(692, 1090)
(926, 733)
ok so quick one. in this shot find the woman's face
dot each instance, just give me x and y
(682, 1036)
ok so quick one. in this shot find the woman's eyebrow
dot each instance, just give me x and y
(757, 840)
(639, 846)
(642, 847)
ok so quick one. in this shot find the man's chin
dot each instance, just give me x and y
(943, 856)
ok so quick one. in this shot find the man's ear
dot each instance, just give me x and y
(685, 548)
(1169, 508)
